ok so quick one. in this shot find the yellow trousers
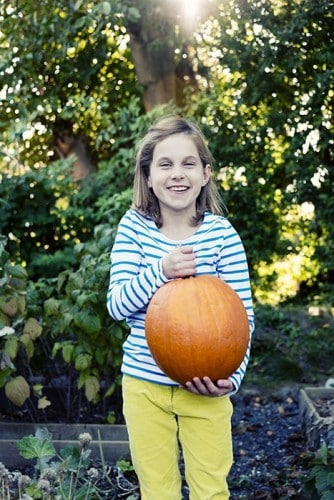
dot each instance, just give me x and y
(158, 419)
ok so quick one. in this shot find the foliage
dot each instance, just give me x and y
(53, 86)
(19, 332)
(46, 213)
(77, 330)
(268, 115)
(40, 212)
(320, 481)
(289, 340)
(76, 320)
(266, 107)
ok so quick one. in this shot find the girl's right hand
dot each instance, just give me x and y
(179, 263)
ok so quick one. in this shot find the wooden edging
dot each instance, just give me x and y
(113, 440)
(317, 429)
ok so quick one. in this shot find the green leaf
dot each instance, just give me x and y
(110, 391)
(11, 347)
(9, 306)
(32, 328)
(101, 355)
(87, 322)
(51, 307)
(82, 362)
(17, 390)
(321, 480)
(92, 387)
(31, 447)
(56, 347)
(18, 271)
(67, 351)
(75, 283)
(105, 8)
(28, 344)
(331, 479)
(4, 374)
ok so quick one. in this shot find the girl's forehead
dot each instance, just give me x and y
(176, 143)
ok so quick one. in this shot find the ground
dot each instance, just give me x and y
(269, 446)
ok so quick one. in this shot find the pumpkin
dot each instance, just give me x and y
(196, 327)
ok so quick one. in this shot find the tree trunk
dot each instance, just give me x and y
(152, 43)
(66, 146)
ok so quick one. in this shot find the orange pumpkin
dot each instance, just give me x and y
(197, 327)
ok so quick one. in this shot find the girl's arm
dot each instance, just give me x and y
(131, 284)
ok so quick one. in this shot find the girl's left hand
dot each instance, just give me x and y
(205, 387)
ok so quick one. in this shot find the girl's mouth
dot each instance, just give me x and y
(178, 188)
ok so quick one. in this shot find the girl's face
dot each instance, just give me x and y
(177, 175)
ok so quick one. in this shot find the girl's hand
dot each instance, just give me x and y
(179, 263)
(205, 387)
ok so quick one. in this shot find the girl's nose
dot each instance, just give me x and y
(177, 173)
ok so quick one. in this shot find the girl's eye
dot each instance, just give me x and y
(190, 164)
(165, 164)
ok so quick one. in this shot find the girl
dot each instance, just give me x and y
(174, 230)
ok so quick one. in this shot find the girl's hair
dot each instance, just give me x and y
(144, 200)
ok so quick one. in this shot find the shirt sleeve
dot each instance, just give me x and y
(132, 283)
(233, 269)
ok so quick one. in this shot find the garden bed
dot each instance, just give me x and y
(316, 406)
(113, 438)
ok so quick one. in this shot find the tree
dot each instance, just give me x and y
(269, 111)
(65, 71)
(263, 75)
(159, 39)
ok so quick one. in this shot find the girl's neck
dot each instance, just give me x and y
(178, 228)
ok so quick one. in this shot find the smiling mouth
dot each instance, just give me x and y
(178, 189)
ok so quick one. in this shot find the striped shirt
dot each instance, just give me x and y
(136, 274)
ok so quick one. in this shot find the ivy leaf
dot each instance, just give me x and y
(331, 479)
(28, 344)
(321, 480)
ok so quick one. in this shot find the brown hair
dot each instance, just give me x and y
(144, 199)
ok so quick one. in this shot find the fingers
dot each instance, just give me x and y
(205, 387)
(179, 263)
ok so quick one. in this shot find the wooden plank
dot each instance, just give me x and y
(316, 428)
(17, 430)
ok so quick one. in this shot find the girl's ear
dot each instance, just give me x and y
(149, 183)
(207, 174)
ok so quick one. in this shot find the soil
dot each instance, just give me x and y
(269, 446)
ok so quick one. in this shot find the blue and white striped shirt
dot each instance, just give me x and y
(136, 274)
